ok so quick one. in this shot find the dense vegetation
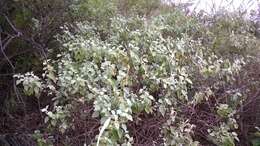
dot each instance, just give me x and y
(127, 72)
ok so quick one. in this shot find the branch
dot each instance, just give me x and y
(18, 33)
(5, 56)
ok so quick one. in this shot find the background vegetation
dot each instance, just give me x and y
(127, 72)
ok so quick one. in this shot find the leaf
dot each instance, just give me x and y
(189, 81)
(46, 119)
(116, 134)
(136, 108)
(103, 129)
(168, 101)
(255, 142)
(18, 82)
(129, 117)
(162, 110)
(95, 114)
(37, 91)
(228, 141)
(52, 77)
(38, 84)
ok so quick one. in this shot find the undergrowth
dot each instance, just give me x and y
(147, 83)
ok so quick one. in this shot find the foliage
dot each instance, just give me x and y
(138, 7)
(231, 34)
(153, 68)
(31, 83)
(40, 139)
(222, 137)
(27, 30)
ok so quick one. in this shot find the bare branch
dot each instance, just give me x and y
(2, 50)
(18, 33)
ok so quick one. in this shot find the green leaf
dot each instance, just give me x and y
(228, 141)
(255, 142)
(52, 77)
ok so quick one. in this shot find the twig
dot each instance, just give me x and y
(11, 24)
(2, 51)
(2, 48)
(7, 42)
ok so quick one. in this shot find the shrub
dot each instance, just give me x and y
(231, 34)
(28, 29)
(138, 7)
(138, 69)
